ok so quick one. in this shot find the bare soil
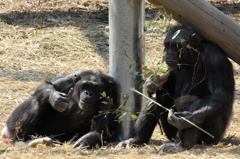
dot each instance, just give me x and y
(44, 39)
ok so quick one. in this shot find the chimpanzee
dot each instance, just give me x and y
(199, 87)
(80, 104)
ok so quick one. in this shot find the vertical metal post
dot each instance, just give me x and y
(127, 46)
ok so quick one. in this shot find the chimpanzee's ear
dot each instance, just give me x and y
(76, 78)
(195, 39)
(111, 85)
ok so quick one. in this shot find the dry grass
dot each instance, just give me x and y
(41, 40)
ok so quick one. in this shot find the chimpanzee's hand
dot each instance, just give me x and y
(176, 120)
(89, 140)
(153, 83)
(59, 101)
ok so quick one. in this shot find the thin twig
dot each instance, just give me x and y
(71, 89)
(134, 90)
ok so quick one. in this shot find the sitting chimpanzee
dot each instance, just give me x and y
(71, 106)
(199, 87)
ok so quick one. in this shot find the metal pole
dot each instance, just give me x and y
(126, 46)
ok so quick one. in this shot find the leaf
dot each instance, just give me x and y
(155, 76)
(149, 74)
(134, 73)
(195, 50)
(179, 65)
(105, 102)
(118, 113)
(145, 68)
(170, 17)
(121, 117)
(125, 103)
(162, 70)
(103, 94)
(151, 105)
(122, 107)
(133, 116)
(140, 81)
(164, 58)
(182, 40)
(189, 47)
(160, 7)
(134, 64)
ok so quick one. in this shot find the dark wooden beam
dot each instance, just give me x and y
(208, 21)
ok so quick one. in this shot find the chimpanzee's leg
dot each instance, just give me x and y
(23, 121)
(145, 124)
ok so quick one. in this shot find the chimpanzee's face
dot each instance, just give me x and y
(176, 46)
(88, 92)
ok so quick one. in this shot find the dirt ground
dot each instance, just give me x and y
(44, 39)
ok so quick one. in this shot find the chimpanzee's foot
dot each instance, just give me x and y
(170, 148)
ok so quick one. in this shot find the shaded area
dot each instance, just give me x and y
(91, 23)
(233, 8)
(28, 75)
(228, 7)
(74, 16)
(82, 18)
(56, 18)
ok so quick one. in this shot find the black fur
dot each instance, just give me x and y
(200, 82)
(36, 115)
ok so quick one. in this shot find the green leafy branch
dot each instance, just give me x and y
(146, 72)
(167, 17)
(118, 112)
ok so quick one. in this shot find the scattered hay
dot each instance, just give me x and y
(44, 39)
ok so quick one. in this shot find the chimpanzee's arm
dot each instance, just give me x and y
(220, 84)
(218, 104)
(56, 92)
(65, 83)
